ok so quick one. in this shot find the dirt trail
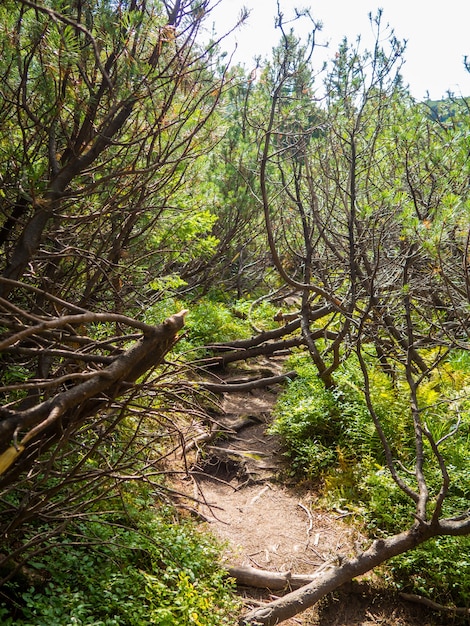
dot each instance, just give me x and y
(268, 525)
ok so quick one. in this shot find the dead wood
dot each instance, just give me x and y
(233, 427)
(231, 355)
(235, 452)
(269, 342)
(273, 335)
(334, 575)
(258, 383)
(256, 340)
(265, 579)
(204, 437)
(243, 422)
(278, 581)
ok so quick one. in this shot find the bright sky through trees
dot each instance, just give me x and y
(437, 34)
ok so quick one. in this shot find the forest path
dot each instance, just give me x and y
(270, 525)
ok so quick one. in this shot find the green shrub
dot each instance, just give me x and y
(385, 507)
(324, 429)
(260, 313)
(304, 417)
(160, 572)
(211, 322)
(158, 312)
(207, 322)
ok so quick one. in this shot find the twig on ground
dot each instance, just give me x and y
(310, 519)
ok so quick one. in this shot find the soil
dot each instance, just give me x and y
(264, 523)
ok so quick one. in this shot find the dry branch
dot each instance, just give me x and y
(265, 579)
(49, 418)
(233, 427)
(232, 355)
(249, 385)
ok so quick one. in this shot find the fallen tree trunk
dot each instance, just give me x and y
(232, 355)
(256, 340)
(265, 579)
(278, 581)
(233, 427)
(258, 383)
(270, 335)
(335, 575)
(264, 344)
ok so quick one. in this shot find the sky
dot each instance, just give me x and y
(437, 34)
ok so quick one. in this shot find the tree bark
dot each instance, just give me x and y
(276, 581)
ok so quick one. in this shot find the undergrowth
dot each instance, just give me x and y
(330, 439)
(211, 321)
(111, 571)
